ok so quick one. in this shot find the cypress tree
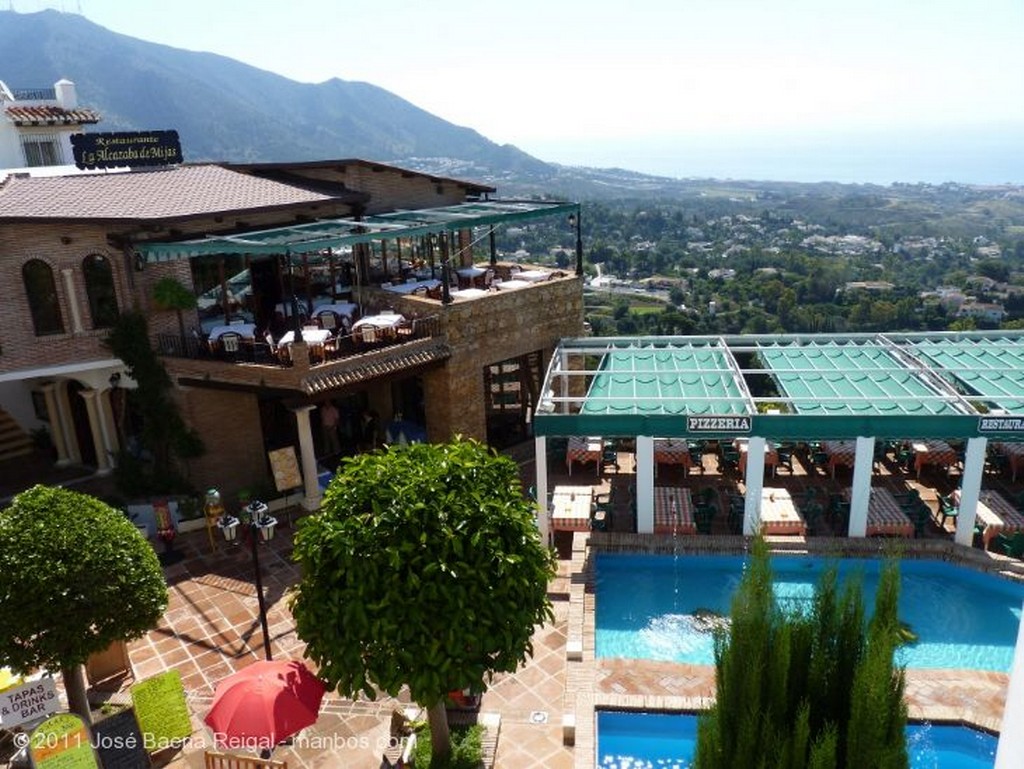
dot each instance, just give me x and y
(806, 689)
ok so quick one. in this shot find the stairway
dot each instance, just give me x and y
(14, 441)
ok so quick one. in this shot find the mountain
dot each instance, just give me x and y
(228, 111)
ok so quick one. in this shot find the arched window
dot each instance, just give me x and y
(42, 297)
(99, 287)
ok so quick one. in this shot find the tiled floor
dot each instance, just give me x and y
(211, 628)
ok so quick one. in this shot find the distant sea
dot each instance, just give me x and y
(975, 156)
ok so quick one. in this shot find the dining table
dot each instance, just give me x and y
(1015, 456)
(582, 450)
(412, 285)
(374, 328)
(671, 451)
(316, 338)
(571, 508)
(532, 276)
(885, 516)
(673, 511)
(933, 453)
(779, 515)
(244, 330)
(510, 285)
(995, 514)
(469, 293)
(345, 309)
(840, 453)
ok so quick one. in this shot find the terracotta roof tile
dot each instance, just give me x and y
(51, 115)
(179, 191)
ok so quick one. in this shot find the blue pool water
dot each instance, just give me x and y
(645, 607)
(668, 741)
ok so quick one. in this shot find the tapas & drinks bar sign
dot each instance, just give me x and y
(132, 148)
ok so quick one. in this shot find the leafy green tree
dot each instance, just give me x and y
(170, 294)
(811, 689)
(164, 433)
(77, 576)
(423, 569)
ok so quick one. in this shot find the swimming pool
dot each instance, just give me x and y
(668, 741)
(660, 607)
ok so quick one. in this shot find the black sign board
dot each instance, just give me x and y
(119, 742)
(120, 150)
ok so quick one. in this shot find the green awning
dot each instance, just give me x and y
(990, 368)
(338, 233)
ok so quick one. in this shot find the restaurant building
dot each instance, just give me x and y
(374, 287)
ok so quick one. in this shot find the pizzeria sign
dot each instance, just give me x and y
(718, 424)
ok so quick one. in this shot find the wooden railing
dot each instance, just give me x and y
(218, 760)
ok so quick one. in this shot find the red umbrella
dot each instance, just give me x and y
(265, 703)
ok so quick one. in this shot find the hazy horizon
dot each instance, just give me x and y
(980, 157)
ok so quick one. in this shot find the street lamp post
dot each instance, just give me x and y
(261, 526)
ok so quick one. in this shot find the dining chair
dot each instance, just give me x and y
(369, 334)
(230, 344)
(328, 320)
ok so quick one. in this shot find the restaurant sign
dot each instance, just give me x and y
(1001, 424)
(130, 148)
(718, 424)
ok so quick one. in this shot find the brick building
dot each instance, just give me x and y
(371, 286)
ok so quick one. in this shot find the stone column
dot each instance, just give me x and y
(309, 479)
(96, 428)
(644, 484)
(755, 483)
(1010, 750)
(67, 423)
(540, 452)
(56, 425)
(69, 290)
(860, 491)
(970, 488)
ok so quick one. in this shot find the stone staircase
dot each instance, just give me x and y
(14, 441)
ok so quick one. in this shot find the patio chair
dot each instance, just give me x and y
(704, 516)
(230, 344)
(729, 459)
(785, 455)
(697, 459)
(1012, 546)
(609, 458)
(819, 459)
(328, 320)
(946, 511)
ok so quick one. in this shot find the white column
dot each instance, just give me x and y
(644, 484)
(563, 364)
(860, 490)
(540, 453)
(1010, 750)
(309, 479)
(69, 291)
(67, 423)
(755, 483)
(970, 487)
(56, 425)
(95, 427)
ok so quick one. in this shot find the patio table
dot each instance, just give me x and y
(996, 514)
(584, 450)
(410, 286)
(933, 453)
(532, 276)
(469, 293)
(673, 511)
(1015, 454)
(778, 513)
(245, 330)
(670, 451)
(571, 507)
(885, 516)
(840, 453)
(510, 285)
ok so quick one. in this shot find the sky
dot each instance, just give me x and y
(925, 87)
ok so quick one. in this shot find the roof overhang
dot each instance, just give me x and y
(785, 387)
(323, 234)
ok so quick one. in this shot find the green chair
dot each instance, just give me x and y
(1012, 546)
(947, 510)
(704, 516)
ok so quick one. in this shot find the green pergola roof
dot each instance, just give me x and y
(693, 379)
(990, 368)
(950, 385)
(336, 233)
(853, 377)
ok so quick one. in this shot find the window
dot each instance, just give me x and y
(41, 152)
(42, 298)
(99, 287)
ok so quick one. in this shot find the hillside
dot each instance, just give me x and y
(226, 110)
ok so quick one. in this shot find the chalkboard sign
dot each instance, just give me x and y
(119, 742)
(161, 710)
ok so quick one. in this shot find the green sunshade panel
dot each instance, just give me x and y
(665, 380)
(992, 369)
(855, 377)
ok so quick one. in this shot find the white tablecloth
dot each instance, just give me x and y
(469, 293)
(409, 287)
(508, 285)
(533, 276)
(309, 336)
(471, 272)
(341, 308)
(246, 330)
(384, 320)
